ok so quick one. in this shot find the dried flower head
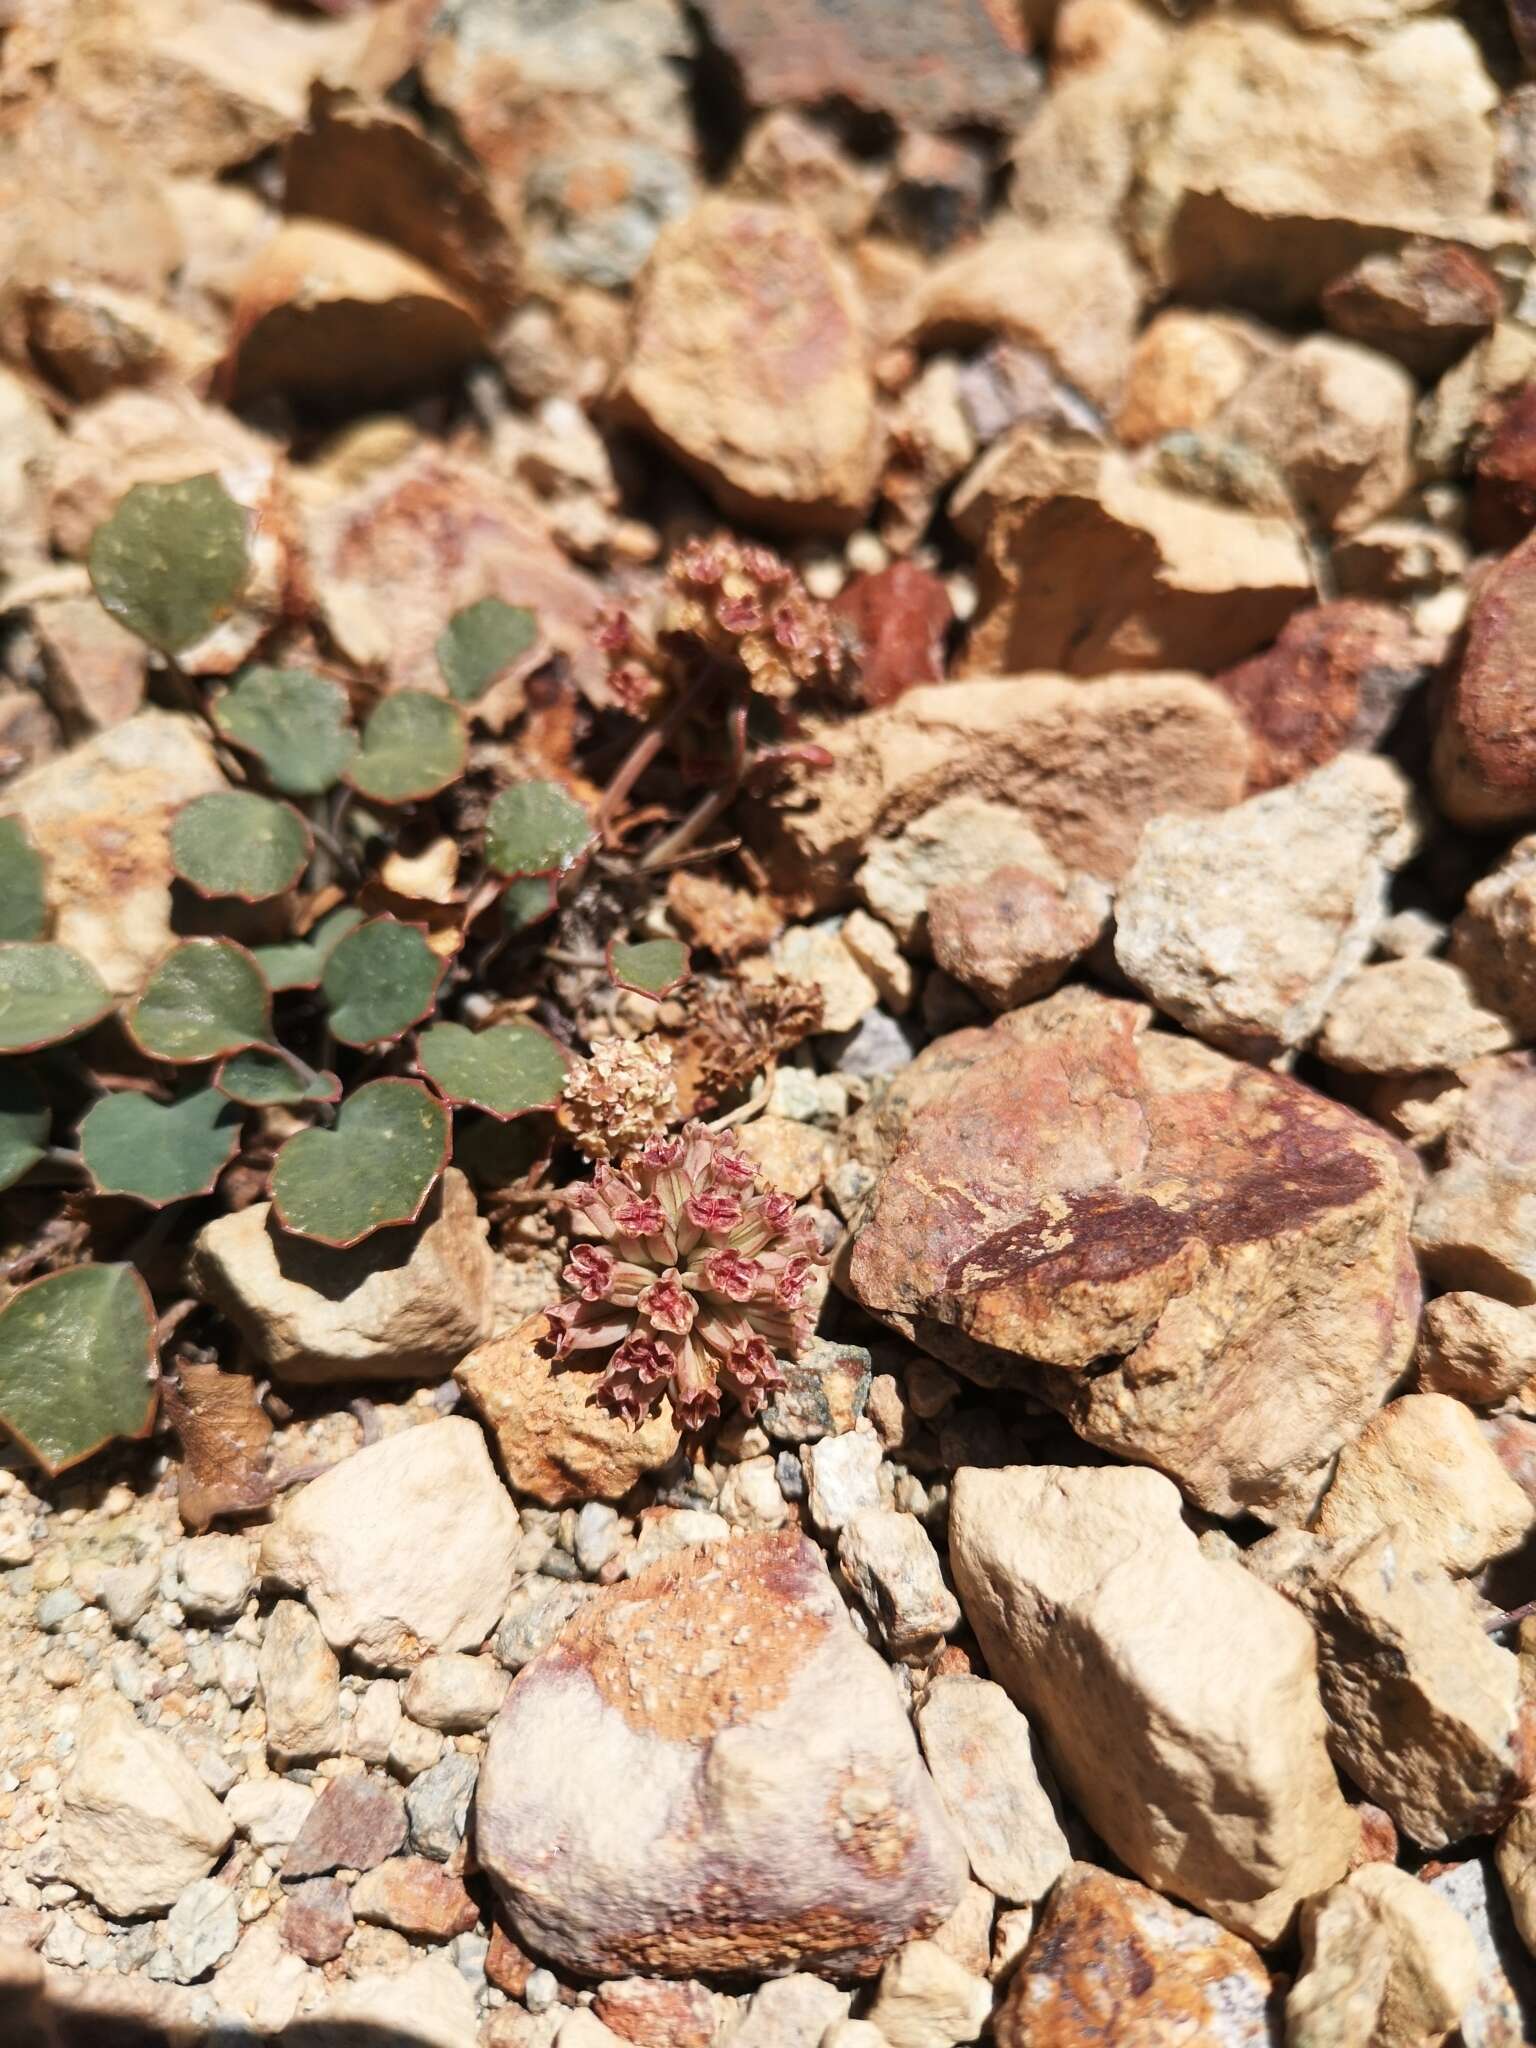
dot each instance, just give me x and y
(735, 1028)
(689, 1278)
(619, 1097)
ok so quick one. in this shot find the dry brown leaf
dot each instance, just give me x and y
(224, 1434)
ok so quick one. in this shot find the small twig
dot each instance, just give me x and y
(561, 958)
(1507, 1620)
(666, 851)
(753, 1106)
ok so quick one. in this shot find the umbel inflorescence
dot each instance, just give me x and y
(691, 1279)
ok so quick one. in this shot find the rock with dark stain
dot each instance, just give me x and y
(1112, 1961)
(1205, 1266)
(1425, 303)
(1504, 496)
(1334, 679)
(750, 1798)
(1485, 747)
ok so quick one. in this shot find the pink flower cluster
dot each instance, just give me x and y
(692, 1281)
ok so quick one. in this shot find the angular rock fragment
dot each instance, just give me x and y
(1243, 928)
(1385, 1962)
(1425, 303)
(1203, 1266)
(355, 1823)
(748, 365)
(1471, 1228)
(554, 1442)
(403, 1548)
(402, 1305)
(1152, 1671)
(1475, 1348)
(1083, 766)
(1013, 934)
(926, 1997)
(1493, 941)
(1111, 1960)
(1408, 1017)
(1184, 368)
(891, 1564)
(750, 1797)
(981, 1753)
(1485, 751)
(1423, 1466)
(300, 1686)
(136, 1822)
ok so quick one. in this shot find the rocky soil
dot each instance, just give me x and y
(1120, 1628)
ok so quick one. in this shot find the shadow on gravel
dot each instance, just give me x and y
(27, 2022)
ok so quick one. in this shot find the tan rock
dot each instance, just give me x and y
(92, 337)
(961, 840)
(1149, 1668)
(324, 312)
(1425, 1710)
(1335, 420)
(1470, 1228)
(300, 1682)
(874, 946)
(889, 1561)
(789, 2011)
(403, 1304)
(1386, 1963)
(1469, 397)
(788, 157)
(455, 1693)
(980, 1750)
(790, 1156)
(1475, 1348)
(1278, 160)
(1076, 157)
(1493, 941)
(553, 1441)
(427, 2001)
(1113, 572)
(1071, 293)
(1136, 1243)
(1424, 1466)
(817, 954)
(926, 1999)
(403, 1548)
(1012, 935)
(1184, 368)
(1245, 927)
(749, 365)
(1115, 1961)
(1515, 1856)
(1084, 766)
(136, 1822)
(95, 667)
(29, 440)
(1408, 1017)
(750, 1798)
(99, 817)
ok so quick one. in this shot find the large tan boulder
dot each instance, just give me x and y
(1154, 1672)
(1277, 160)
(749, 1799)
(1203, 1265)
(1084, 765)
(749, 364)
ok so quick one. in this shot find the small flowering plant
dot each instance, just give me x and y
(690, 1279)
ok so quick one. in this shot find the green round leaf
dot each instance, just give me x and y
(77, 1363)
(375, 1169)
(481, 643)
(379, 981)
(24, 1121)
(651, 967)
(159, 1152)
(230, 843)
(413, 745)
(23, 911)
(206, 998)
(296, 723)
(47, 993)
(171, 560)
(535, 828)
(299, 963)
(264, 1074)
(506, 1070)
(527, 902)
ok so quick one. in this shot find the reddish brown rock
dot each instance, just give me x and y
(750, 1798)
(1204, 1266)
(1112, 1961)
(415, 1896)
(506, 1964)
(930, 67)
(555, 1442)
(655, 2014)
(318, 1920)
(1425, 303)
(1485, 746)
(1335, 678)
(1011, 936)
(355, 1823)
(898, 618)
(1504, 498)
(749, 365)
